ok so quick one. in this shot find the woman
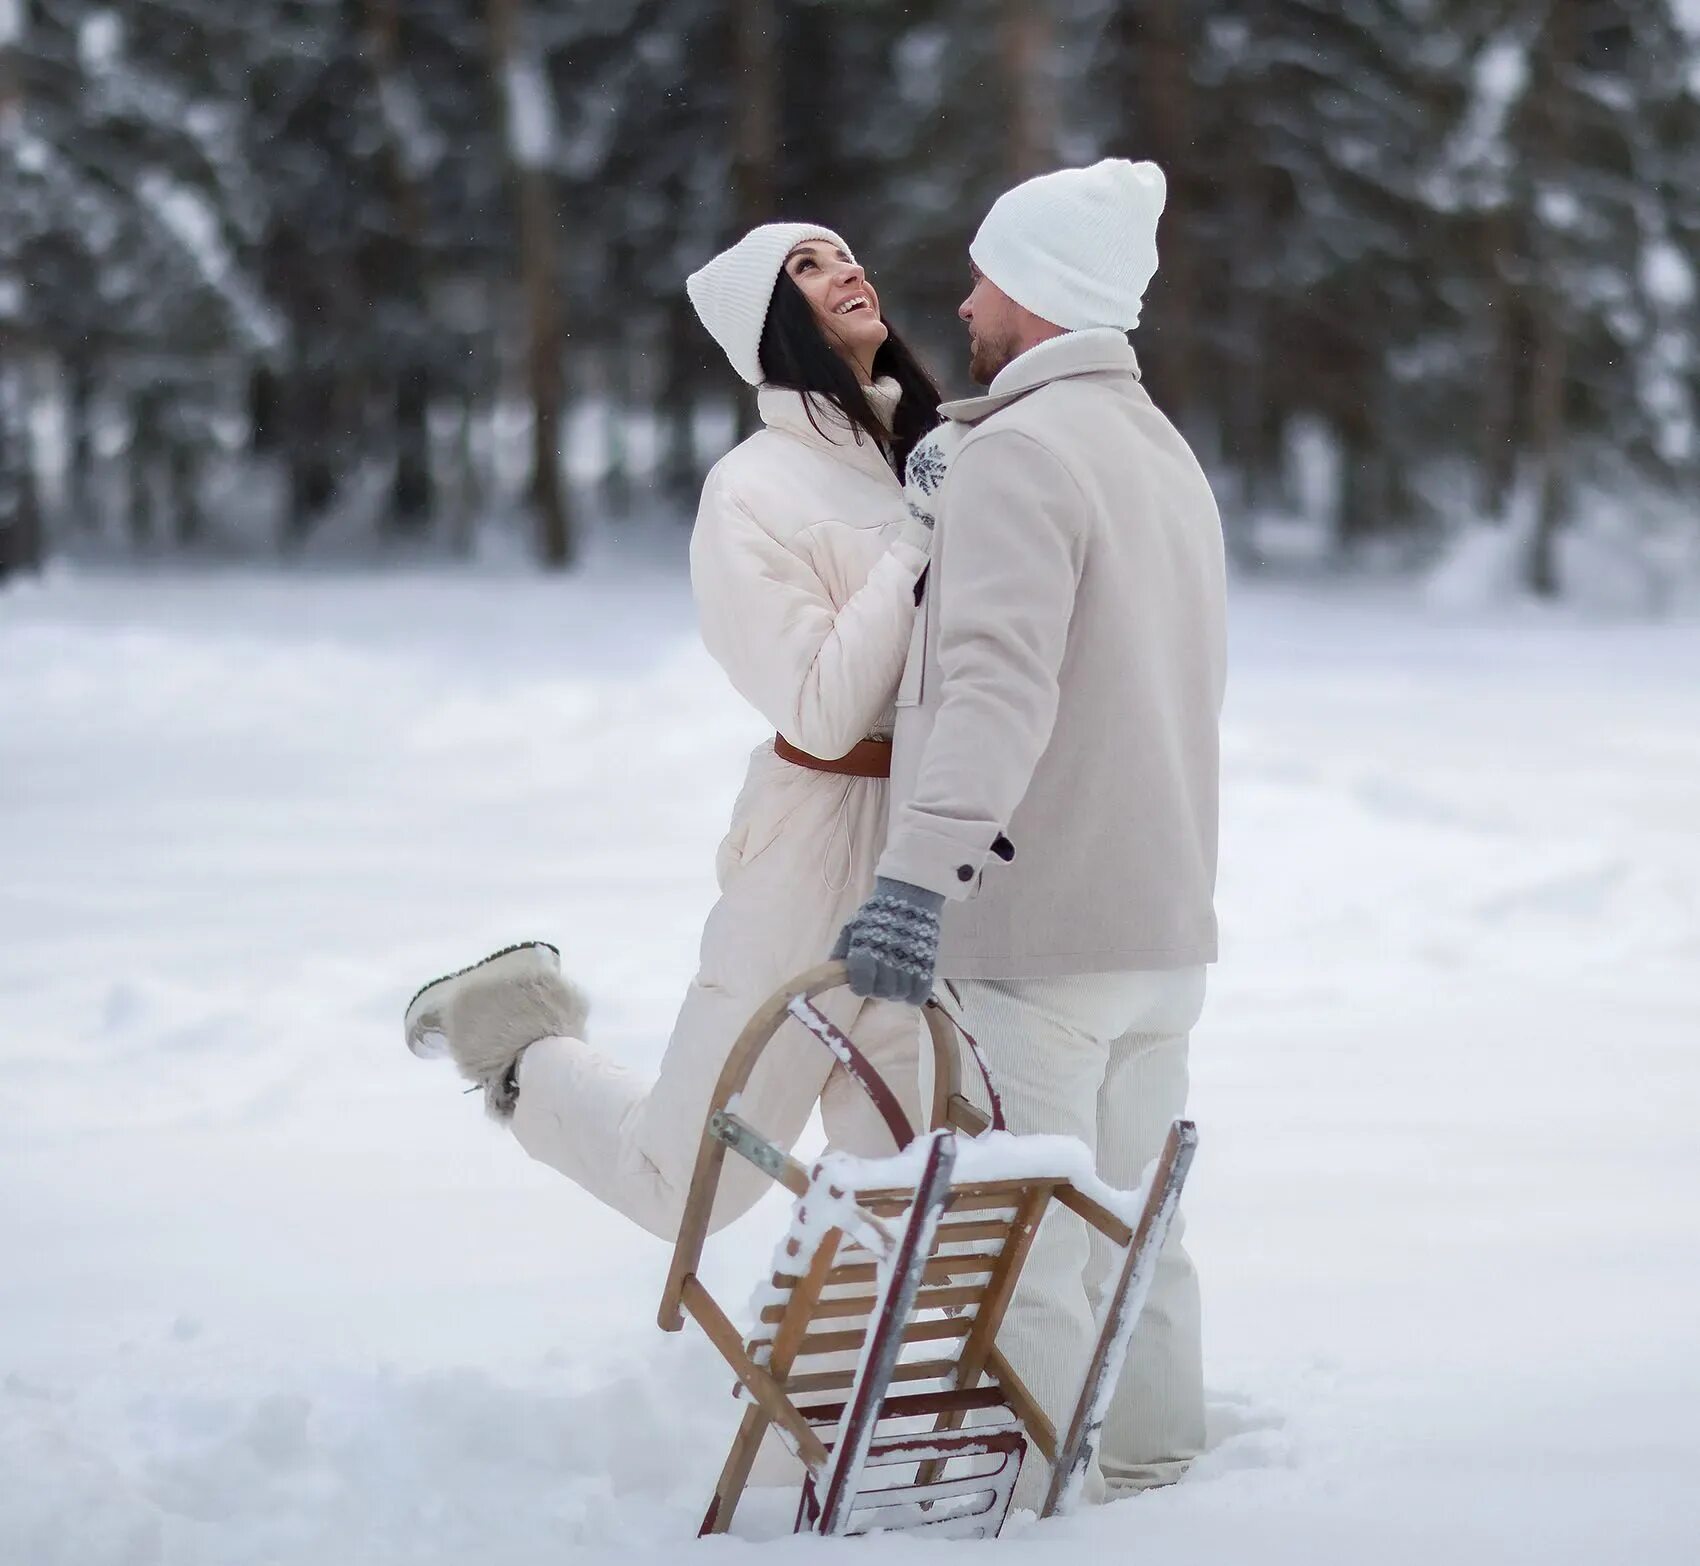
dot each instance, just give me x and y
(804, 565)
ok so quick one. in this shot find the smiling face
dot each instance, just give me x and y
(843, 300)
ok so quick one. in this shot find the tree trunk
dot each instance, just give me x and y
(265, 398)
(1243, 396)
(1547, 379)
(80, 461)
(1496, 452)
(523, 87)
(616, 405)
(1027, 46)
(464, 490)
(20, 511)
(412, 496)
(755, 138)
(1161, 80)
(1549, 365)
(20, 506)
(1358, 504)
(678, 471)
(142, 462)
(184, 491)
(412, 493)
(556, 542)
(310, 401)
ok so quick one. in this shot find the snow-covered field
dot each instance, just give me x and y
(271, 1291)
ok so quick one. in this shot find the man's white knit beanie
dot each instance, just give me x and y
(732, 292)
(1079, 246)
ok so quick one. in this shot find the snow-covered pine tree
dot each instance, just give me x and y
(129, 212)
(1566, 173)
(20, 517)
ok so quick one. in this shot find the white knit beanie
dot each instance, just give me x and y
(731, 293)
(1076, 247)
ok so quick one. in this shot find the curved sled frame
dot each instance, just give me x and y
(724, 1130)
(904, 1246)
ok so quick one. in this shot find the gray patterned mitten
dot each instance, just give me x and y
(892, 944)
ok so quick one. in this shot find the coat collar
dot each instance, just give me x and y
(1099, 350)
(782, 409)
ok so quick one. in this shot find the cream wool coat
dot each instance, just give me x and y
(803, 565)
(1066, 680)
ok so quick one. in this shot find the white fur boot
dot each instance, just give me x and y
(484, 1017)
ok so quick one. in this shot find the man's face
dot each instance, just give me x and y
(993, 327)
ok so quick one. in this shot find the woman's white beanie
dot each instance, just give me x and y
(1077, 247)
(731, 293)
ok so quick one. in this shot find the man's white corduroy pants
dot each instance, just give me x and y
(1101, 1057)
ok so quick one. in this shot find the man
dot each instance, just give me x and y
(1057, 740)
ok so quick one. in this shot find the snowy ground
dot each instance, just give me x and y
(273, 1292)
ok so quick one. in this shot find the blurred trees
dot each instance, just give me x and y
(373, 270)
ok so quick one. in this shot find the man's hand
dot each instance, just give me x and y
(891, 945)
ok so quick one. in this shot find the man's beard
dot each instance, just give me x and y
(986, 356)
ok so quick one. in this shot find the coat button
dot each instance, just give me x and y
(965, 872)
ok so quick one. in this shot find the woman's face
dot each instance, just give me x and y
(842, 298)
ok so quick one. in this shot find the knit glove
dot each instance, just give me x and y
(892, 944)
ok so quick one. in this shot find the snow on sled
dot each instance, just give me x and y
(875, 1355)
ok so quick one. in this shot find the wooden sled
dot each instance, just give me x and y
(876, 1351)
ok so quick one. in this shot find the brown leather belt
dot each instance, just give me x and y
(866, 759)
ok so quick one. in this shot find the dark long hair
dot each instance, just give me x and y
(796, 354)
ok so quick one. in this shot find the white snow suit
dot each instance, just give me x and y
(803, 564)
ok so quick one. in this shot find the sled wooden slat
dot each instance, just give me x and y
(862, 1304)
(972, 1229)
(940, 1267)
(914, 1405)
(966, 1198)
(914, 1332)
(854, 1305)
(835, 1380)
(845, 1342)
(933, 1269)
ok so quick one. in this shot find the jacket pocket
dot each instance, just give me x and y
(773, 793)
(911, 687)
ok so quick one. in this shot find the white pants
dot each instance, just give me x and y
(1101, 1057)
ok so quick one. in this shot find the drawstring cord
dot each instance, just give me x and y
(840, 826)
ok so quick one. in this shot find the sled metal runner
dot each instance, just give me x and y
(875, 1354)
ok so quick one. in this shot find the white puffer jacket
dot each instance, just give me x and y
(804, 564)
